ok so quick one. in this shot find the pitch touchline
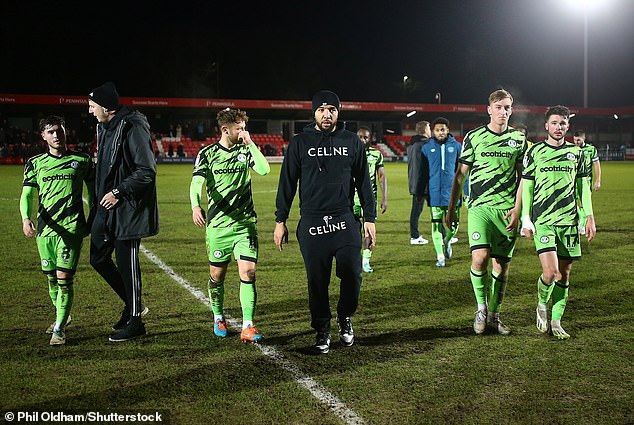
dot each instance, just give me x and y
(320, 393)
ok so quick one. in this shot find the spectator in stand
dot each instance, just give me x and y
(180, 151)
(423, 133)
(170, 150)
(524, 130)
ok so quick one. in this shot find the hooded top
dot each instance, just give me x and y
(328, 167)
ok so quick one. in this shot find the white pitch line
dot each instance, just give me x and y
(319, 392)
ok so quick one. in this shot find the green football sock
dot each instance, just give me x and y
(366, 253)
(65, 297)
(52, 288)
(479, 280)
(248, 297)
(216, 295)
(496, 292)
(436, 236)
(544, 290)
(560, 296)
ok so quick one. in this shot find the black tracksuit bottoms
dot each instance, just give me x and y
(322, 239)
(124, 277)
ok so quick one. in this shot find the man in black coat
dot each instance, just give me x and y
(126, 207)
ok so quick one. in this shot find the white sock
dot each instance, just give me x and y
(440, 257)
(247, 323)
(482, 307)
(218, 317)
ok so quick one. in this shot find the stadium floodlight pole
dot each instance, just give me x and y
(585, 56)
(586, 6)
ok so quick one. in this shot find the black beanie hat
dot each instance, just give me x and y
(106, 96)
(325, 97)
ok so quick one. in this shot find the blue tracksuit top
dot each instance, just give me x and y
(440, 161)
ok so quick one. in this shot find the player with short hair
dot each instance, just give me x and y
(439, 162)
(492, 157)
(376, 168)
(553, 171)
(591, 157)
(224, 169)
(56, 178)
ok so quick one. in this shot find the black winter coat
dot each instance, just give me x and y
(126, 162)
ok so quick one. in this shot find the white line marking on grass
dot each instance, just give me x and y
(320, 393)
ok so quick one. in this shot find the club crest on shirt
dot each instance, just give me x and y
(242, 158)
(74, 164)
(544, 239)
(512, 143)
(476, 236)
(570, 156)
(450, 149)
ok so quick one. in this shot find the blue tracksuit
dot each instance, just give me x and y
(439, 164)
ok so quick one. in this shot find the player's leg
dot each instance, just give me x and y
(46, 247)
(317, 253)
(219, 245)
(417, 208)
(348, 270)
(129, 265)
(497, 290)
(546, 247)
(560, 297)
(246, 253)
(568, 249)
(437, 234)
(502, 247)
(480, 246)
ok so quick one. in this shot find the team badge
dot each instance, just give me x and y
(217, 253)
(433, 150)
(476, 236)
(512, 143)
(242, 158)
(44, 263)
(450, 149)
(525, 162)
(74, 164)
(544, 239)
(570, 156)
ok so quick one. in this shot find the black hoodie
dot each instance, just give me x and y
(328, 166)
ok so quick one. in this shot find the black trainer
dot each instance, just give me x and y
(346, 334)
(125, 317)
(322, 343)
(134, 329)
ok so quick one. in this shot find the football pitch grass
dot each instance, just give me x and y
(415, 358)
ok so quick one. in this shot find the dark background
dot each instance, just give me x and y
(277, 50)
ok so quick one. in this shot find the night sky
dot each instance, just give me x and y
(463, 49)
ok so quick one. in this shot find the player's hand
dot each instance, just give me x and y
(451, 219)
(280, 235)
(244, 137)
(591, 228)
(513, 217)
(528, 228)
(383, 206)
(198, 215)
(108, 201)
(28, 228)
(597, 185)
(369, 230)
